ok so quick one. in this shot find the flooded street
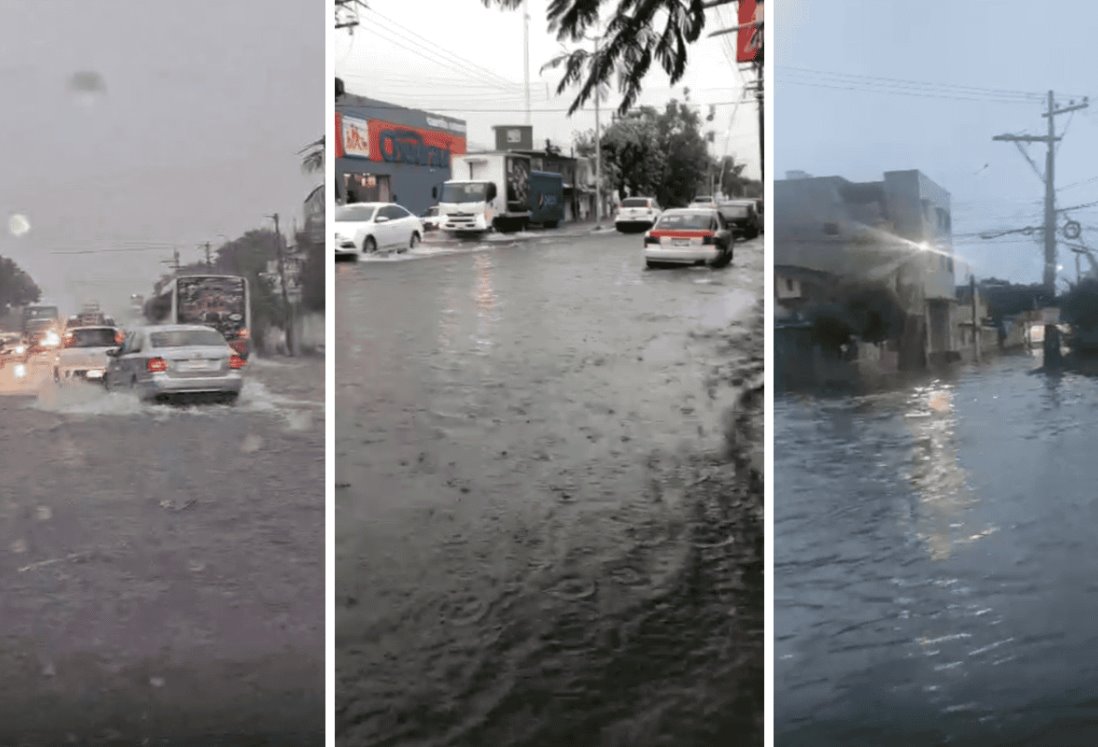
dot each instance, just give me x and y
(933, 575)
(161, 565)
(540, 536)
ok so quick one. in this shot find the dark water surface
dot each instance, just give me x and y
(162, 568)
(539, 538)
(934, 562)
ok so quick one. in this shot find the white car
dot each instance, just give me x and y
(637, 213)
(83, 356)
(176, 360)
(368, 227)
(688, 236)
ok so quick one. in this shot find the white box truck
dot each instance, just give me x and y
(488, 191)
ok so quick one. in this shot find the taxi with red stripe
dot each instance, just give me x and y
(689, 236)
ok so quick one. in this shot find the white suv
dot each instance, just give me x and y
(637, 213)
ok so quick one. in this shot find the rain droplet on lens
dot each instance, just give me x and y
(156, 681)
(19, 546)
(44, 513)
(18, 225)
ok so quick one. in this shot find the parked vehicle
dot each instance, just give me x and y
(704, 201)
(83, 356)
(742, 216)
(430, 218)
(689, 236)
(171, 360)
(499, 191)
(368, 227)
(637, 213)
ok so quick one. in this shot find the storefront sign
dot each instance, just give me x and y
(397, 143)
(355, 137)
(749, 38)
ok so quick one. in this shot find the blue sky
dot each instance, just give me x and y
(848, 126)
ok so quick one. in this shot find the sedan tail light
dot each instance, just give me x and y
(710, 239)
(650, 240)
(156, 365)
(236, 362)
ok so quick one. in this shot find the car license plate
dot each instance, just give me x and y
(197, 365)
(93, 374)
(681, 242)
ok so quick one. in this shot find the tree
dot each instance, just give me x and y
(16, 286)
(312, 273)
(641, 32)
(649, 152)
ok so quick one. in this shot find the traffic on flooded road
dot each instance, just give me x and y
(547, 529)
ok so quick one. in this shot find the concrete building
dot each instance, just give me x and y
(896, 232)
(390, 153)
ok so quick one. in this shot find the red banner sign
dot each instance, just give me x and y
(397, 143)
(749, 38)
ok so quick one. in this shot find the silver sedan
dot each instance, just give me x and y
(167, 361)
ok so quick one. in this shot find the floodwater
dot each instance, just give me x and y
(161, 567)
(934, 550)
(540, 537)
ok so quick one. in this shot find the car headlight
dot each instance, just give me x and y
(20, 371)
(20, 349)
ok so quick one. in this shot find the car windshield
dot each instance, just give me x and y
(354, 213)
(735, 211)
(471, 192)
(90, 338)
(182, 338)
(641, 202)
(686, 221)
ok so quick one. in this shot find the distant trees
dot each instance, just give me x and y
(663, 154)
(17, 288)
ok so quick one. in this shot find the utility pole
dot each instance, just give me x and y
(975, 317)
(209, 261)
(174, 261)
(598, 148)
(762, 129)
(1049, 177)
(288, 315)
(526, 55)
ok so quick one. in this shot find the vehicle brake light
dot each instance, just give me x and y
(650, 240)
(156, 365)
(710, 239)
(119, 337)
(236, 362)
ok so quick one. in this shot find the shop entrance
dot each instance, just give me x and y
(365, 187)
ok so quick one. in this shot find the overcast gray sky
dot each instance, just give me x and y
(461, 57)
(195, 135)
(837, 114)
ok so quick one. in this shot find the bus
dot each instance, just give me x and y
(219, 301)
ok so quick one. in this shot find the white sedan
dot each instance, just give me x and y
(84, 355)
(368, 227)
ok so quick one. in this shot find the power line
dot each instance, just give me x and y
(903, 82)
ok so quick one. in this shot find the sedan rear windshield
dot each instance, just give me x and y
(182, 338)
(90, 338)
(735, 211)
(687, 222)
(354, 213)
(641, 202)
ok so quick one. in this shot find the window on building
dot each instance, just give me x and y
(789, 284)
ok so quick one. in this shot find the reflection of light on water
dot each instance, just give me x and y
(942, 483)
(485, 297)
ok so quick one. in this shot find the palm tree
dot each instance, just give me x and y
(631, 41)
(312, 157)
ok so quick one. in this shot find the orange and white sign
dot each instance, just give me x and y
(355, 137)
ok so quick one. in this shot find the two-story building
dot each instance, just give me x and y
(896, 232)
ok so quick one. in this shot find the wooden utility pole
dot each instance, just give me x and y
(1049, 177)
(286, 310)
